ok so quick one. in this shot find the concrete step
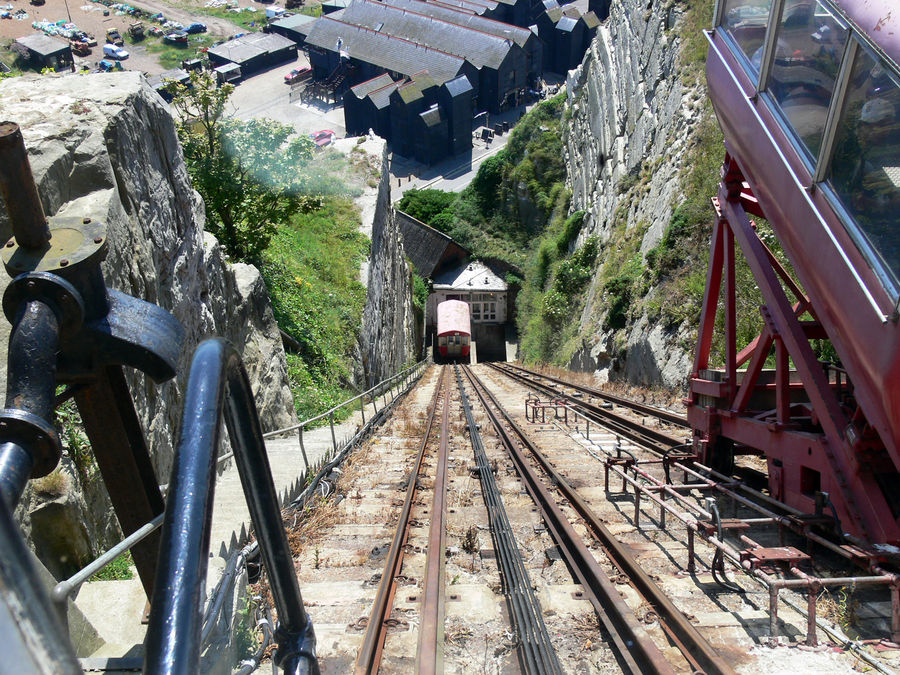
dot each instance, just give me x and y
(115, 609)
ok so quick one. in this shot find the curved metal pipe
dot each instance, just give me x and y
(217, 386)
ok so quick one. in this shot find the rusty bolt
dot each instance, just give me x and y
(85, 220)
(63, 262)
(30, 285)
(97, 240)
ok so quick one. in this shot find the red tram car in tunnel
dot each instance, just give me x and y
(807, 93)
(453, 330)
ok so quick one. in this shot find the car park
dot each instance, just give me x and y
(114, 52)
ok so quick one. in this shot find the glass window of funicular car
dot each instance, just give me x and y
(802, 68)
(864, 172)
(745, 23)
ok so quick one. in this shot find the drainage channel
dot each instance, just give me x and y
(536, 653)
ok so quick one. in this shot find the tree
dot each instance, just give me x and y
(425, 204)
(247, 171)
(486, 184)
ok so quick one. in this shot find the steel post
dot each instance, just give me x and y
(118, 445)
(333, 439)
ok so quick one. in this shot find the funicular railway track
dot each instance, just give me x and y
(469, 583)
(754, 542)
(641, 408)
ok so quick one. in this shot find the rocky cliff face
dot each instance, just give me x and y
(387, 340)
(105, 147)
(630, 121)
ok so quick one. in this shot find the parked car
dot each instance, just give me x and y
(323, 138)
(196, 27)
(178, 37)
(297, 75)
(80, 48)
(106, 66)
(114, 52)
(114, 37)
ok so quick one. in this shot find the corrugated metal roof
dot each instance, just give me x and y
(363, 89)
(43, 44)
(390, 52)
(432, 116)
(295, 21)
(471, 277)
(566, 24)
(477, 47)
(251, 45)
(463, 18)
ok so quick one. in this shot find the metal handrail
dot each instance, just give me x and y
(218, 386)
(64, 589)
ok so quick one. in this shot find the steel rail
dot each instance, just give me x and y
(693, 645)
(636, 650)
(657, 441)
(665, 415)
(536, 652)
(369, 657)
(430, 650)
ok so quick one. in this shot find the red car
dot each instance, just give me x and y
(323, 138)
(297, 75)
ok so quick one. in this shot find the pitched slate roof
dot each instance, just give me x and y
(567, 24)
(477, 47)
(459, 85)
(474, 6)
(462, 18)
(382, 97)
(363, 89)
(425, 246)
(415, 87)
(476, 276)
(386, 51)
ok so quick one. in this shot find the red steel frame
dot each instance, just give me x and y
(806, 431)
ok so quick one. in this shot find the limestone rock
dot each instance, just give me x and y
(105, 146)
(388, 337)
(629, 111)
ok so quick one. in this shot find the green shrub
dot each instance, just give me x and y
(425, 204)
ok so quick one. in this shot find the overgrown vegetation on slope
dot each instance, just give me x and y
(273, 203)
(513, 197)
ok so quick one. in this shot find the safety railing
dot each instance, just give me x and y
(69, 328)
(217, 387)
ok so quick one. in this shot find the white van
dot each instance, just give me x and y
(114, 52)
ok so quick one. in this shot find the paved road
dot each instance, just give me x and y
(266, 95)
